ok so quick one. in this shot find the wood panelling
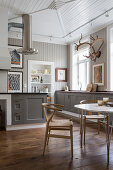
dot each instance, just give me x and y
(66, 23)
(46, 52)
(103, 58)
(22, 150)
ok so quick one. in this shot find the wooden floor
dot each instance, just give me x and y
(22, 150)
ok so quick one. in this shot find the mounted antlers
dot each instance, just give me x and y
(93, 54)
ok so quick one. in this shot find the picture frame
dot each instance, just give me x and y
(15, 82)
(61, 74)
(16, 58)
(98, 74)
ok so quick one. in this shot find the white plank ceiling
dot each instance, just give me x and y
(59, 21)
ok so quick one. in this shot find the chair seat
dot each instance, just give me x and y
(60, 123)
(94, 116)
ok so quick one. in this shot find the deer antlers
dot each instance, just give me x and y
(77, 46)
(93, 54)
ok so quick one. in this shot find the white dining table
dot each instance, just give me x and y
(93, 107)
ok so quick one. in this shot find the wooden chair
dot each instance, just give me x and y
(51, 124)
(90, 116)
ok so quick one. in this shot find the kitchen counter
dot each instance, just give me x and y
(23, 108)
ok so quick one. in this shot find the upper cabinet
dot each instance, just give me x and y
(5, 61)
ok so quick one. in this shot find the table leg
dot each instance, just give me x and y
(81, 128)
(108, 141)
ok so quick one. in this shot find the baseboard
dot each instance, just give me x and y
(25, 126)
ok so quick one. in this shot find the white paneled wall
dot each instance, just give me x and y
(103, 58)
(47, 52)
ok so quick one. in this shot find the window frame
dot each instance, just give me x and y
(109, 56)
(77, 63)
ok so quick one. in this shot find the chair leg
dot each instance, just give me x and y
(106, 128)
(84, 130)
(107, 125)
(98, 126)
(48, 137)
(45, 141)
(80, 126)
(71, 135)
(111, 134)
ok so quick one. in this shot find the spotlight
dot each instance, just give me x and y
(50, 38)
(70, 35)
(106, 14)
(91, 23)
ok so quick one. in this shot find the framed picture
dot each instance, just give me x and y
(98, 74)
(61, 74)
(16, 58)
(15, 82)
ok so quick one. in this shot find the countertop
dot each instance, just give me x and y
(26, 93)
(85, 92)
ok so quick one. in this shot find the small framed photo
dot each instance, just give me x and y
(15, 82)
(61, 74)
(16, 58)
(98, 74)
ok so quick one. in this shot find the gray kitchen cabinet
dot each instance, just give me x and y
(67, 101)
(59, 99)
(99, 97)
(33, 110)
(27, 108)
(17, 110)
(73, 101)
(70, 98)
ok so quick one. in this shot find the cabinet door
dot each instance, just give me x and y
(99, 96)
(60, 98)
(67, 106)
(17, 112)
(73, 102)
(110, 97)
(33, 110)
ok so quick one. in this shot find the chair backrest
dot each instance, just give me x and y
(89, 101)
(53, 107)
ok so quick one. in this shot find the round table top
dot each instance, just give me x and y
(94, 108)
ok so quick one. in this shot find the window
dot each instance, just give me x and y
(110, 59)
(80, 69)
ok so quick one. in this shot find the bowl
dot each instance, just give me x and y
(100, 102)
(105, 99)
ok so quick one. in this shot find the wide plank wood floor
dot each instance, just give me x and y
(22, 150)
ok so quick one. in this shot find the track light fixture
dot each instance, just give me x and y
(106, 14)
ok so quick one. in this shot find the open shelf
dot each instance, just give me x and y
(40, 74)
(39, 83)
(36, 72)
